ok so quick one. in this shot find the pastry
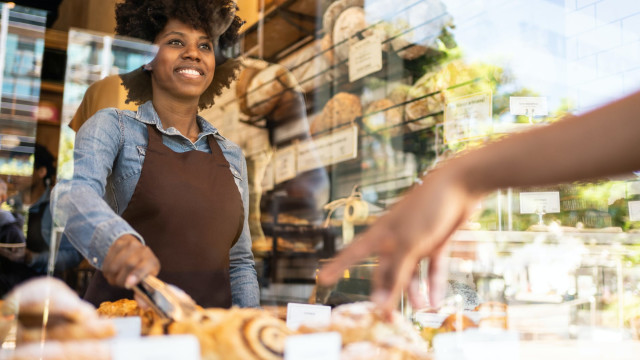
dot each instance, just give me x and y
(361, 322)
(48, 304)
(343, 108)
(456, 322)
(127, 307)
(384, 117)
(423, 99)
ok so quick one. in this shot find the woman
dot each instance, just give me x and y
(160, 186)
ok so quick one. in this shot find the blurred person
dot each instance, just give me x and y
(596, 144)
(161, 186)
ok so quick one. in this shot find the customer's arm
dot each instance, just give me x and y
(599, 143)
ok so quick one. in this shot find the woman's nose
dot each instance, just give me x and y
(191, 52)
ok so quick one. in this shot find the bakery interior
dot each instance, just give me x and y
(339, 107)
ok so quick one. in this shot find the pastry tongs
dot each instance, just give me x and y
(167, 300)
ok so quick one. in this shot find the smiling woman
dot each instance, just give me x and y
(161, 186)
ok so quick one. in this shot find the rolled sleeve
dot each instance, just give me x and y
(90, 224)
(244, 279)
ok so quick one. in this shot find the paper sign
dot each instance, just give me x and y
(468, 117)
(331, 149)
(634, 210)
(298, 314)
(529, 106)
(183, 347)
(308, 156)
(430, 320)
(320, 346)
(267, 180)
(285, 164)
(365, 57)
(127, 327)
(540, 202)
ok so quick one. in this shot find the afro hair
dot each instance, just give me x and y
(145, 19)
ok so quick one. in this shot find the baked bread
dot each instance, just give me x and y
(343, 108)
(382, 115)
(334, 10)
(361, 322)
(127, 307)
(350, 22)
(308, 67)
(456, 322)
(424, 98)
(264, 89)
(48, 305)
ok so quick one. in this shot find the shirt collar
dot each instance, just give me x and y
(147, 114)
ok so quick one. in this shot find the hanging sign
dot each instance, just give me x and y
(468, 117)
(365, 57)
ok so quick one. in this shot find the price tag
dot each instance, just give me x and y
(285, 164)
(540, 202)
(330, 149)
(183, 347)
(365, 57)
(267, 182)
(529, 106)
(320, 346)
(634, 210)
(344, 145)
(430, 320)
(308, 156)
(468, 117)
(127, 327)
(298, 314)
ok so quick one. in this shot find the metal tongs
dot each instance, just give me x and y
(167, 300)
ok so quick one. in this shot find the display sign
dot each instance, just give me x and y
(183, 347)
(320, 346)
(540, 202)
(298, 314)
(285, 164)
(309, 157)
(634, 210)
(127, 327)
(331, 149)
(528, 105)
(365, 57)
(468, 117)
(267, 182)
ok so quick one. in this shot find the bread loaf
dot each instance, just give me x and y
(384, 117)
(342, 108)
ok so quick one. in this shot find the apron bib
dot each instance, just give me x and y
(188, 209)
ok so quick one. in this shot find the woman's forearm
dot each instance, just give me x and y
(596, 144)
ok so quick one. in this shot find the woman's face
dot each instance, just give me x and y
(185, 63)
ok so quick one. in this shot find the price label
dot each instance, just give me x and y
(127, 327)
(298, 314)
(468, 117)
(634, 210)
(321, 346)
(344, 144)
(540, 202)
(184, 347)
(529, 106)
(330, 149)
(285, 164)
(267, 182)
(365, 57)
(309, 157)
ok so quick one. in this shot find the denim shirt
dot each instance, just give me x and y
(108, 157)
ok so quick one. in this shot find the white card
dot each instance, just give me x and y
(320, 346)
(183, 347)
(267, 179)
(528, 105)
(344, 145)
(285, 164)
(430, 320)
(540, 202)
(298, 314)
(634, 210)
(468, 117)
(128, 327)
(365, 57)
(309, 157)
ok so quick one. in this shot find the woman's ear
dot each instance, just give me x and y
(147, 67)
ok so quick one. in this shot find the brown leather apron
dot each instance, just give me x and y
(188, 209)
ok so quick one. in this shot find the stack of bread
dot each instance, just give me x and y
(343, 108)
(53, 321)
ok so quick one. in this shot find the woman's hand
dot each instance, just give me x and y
(418, 226)
(129, 261)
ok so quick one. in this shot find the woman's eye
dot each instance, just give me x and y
(205, 46)
(174, 42)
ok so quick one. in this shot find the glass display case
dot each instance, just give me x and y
(21, 49)
(393, 88)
